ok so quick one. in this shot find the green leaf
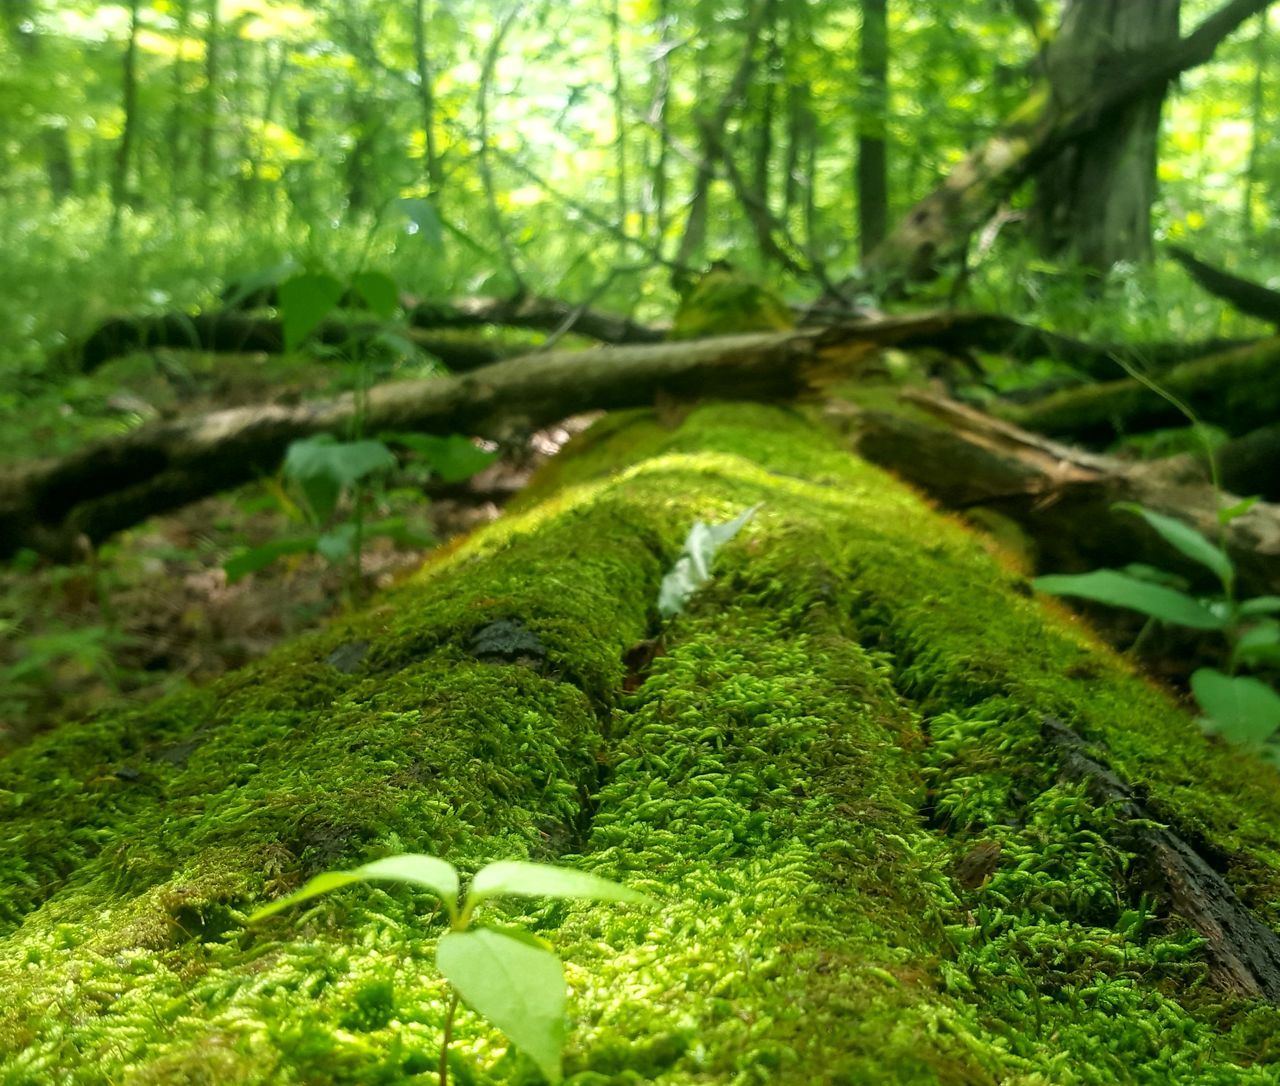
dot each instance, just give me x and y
(453, 457)
(1182, 537)
(545, 880)
(515, 984)
(379, 292)
(322, 467)
(321, 884)
(252, 559)
(693, 568)
(1260, 605)
(305, 300)
(1231, 512)
(1260, 644)
(1112, 587)
(338, 545)
(430, 872)
(1240, 708)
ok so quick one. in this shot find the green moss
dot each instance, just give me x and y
(851, 707)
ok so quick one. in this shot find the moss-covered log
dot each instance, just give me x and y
(875, 857)
(1237, 389)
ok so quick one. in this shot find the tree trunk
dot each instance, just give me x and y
(935, 232)
(873, 106)
(209, 122)
(899, 822)
(1093, 200)
(129, 101)
(427, 100)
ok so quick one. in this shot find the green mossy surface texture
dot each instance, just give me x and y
(851, 708)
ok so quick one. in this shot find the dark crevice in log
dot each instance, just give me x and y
(1243, 953)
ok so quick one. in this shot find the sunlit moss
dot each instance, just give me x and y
(794, 768)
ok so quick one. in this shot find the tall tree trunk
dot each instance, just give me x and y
(935, 231)
(619, 113)
(209, 120)
(177, 126)
(659, 119)
(1093, 200)
(1259, 128)
(873, 107)
(426, 100)
(129, 103)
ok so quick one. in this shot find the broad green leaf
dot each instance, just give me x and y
(453, 457)
(545, 880)
(379, 292)
(305, 300)
(1227, 515)
(430, 872)
(322, 467)
(515, 984)
(1115, 588)
(321, 884)
(1260, 645)
(252, 559)
(693, 568)
(1182, 537)
(1260, 605)
(338, 545)
(243, 287)
(1240, 708)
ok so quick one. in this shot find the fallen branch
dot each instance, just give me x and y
(1060, 497)
(1243, 294)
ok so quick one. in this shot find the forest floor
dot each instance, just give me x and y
(154, 608)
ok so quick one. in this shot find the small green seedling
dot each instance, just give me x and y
(1241, 708)
(505, 974)
(692, 569)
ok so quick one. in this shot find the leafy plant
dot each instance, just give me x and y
(1242, 708)
(692, 569)
(505, 974)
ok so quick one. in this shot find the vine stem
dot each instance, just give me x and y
(448, 1036)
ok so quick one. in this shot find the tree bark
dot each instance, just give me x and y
(843, 774)
(936, 230)
(129, 102)
(873, 105)
(1093, 199)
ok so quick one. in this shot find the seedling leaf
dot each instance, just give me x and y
(1240, 708)
(452, 457)
(378, 291)
(514, 983)
(430, 872)
(305, 300)
(321, 884)
(1185, 539)
(542, 880)
(252, 559)
(1119, 590)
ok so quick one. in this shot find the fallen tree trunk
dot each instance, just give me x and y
(1060, 497)
(111, 485)
(874, 854)
(949, 330)
(242, 332)
(1236, 390)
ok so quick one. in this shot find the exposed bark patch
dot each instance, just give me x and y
(1244, 954)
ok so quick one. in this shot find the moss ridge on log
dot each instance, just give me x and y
(851, 709)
